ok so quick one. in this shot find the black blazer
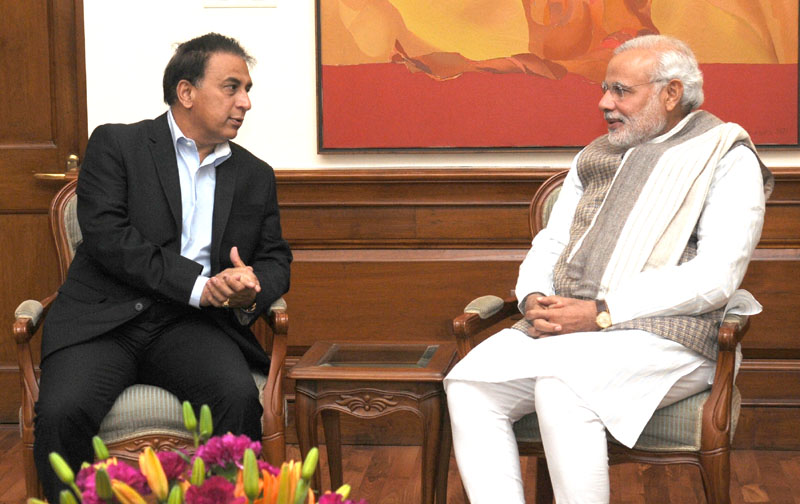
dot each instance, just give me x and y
(129, 211)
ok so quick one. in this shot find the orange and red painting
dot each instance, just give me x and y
(494, 74)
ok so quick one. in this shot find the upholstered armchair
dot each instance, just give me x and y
(143, 415)
(697, 430)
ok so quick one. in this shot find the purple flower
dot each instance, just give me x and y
(227, 449)
(116, 471)
(173, 463)
(264, 466)
(85, 481)
(130, 476)
(215, 490)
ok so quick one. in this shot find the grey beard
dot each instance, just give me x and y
(644, 126)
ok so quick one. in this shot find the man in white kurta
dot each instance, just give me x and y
(584, 380)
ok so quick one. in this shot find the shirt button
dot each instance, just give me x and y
(138, 306)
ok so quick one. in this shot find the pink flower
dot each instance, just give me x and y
(173, 464)
(263, 466)
(215, 490)
(228, 449)
(130, 476)
(116, 471)
(334, 498)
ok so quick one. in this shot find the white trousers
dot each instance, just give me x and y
(573, 435)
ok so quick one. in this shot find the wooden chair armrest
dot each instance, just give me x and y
(480, 314)
(28, 318)
(717, 410)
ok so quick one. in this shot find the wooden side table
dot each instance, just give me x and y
(373, 380)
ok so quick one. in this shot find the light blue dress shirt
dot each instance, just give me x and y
(198, 181)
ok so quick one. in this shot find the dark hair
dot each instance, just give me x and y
(190, 60)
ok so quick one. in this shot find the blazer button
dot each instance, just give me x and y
(138, 306)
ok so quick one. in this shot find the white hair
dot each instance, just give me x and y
(675, 61)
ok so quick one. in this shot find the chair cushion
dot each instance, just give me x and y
(144, 410)
(71, 227)
(674, 428)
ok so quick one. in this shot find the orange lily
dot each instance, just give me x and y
(125, 494)
(154, 473)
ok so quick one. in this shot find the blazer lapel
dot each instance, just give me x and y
(163, 152)
(223, 200)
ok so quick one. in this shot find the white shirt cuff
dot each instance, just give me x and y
(197, 291)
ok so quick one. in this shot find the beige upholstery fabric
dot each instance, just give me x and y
(140, 408)
(74, 235)
(547, 207)
(674, 428)
(484, 306)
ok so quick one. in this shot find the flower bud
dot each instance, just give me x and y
(175, 495)
(62, 469)
(189, 420)
(102, 485)
(100, 450)
(198, 472)
(250, 476)
(301, 492)
(283, 484)
(206, 425)
(66, 497)
(310, 464)
(344, 491)
(35, 501)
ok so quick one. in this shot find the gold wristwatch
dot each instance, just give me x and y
(603, 319)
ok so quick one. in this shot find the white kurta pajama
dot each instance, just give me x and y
(597, 381)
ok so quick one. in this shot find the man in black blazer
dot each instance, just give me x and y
(182, 250)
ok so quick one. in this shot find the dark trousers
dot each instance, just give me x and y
(169, 346)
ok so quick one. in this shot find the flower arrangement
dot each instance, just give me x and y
(223, 470)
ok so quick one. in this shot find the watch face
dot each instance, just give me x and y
(603, 320)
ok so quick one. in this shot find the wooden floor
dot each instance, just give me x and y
(390, 475)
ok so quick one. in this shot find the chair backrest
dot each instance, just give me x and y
(64, 226)
(543, 201)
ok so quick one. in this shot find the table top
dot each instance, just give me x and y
(375, 361)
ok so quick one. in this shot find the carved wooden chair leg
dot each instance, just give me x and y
(716, 476)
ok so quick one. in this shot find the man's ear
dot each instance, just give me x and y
(674, 92)
(185, 91)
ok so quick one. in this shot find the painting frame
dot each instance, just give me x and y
(343, 115)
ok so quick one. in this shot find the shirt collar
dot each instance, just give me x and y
(222, 151)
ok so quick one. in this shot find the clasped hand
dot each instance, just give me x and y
(554, 315)
(233, 287)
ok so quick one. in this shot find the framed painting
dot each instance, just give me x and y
(420, 75)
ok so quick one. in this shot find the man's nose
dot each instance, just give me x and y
(244, 101)
(606, 102)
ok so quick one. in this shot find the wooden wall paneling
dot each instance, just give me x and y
(767, 428)
(421, 208)
(391, 297)
(774, 278)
